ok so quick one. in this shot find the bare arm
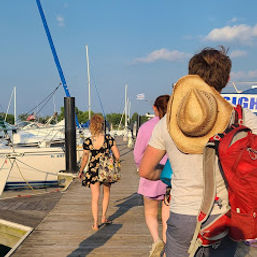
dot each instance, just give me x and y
(115, 151)
(151, 158)
(83, 162)
(140, 146)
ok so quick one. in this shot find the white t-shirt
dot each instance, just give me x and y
(187, 178)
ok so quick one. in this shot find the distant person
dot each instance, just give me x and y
(94, 147)
(195, 113)
(153, 191)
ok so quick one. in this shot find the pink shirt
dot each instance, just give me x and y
(143, 138)
(149, 188)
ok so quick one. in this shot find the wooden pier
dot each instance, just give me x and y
(62, 221)
(66, 229)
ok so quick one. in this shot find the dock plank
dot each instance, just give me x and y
(66, 230)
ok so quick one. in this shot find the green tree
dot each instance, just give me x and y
(61, 114)
(22, 117)
(82, 116)
(114, 119)
(144, 119)
(9, 118)
(134, 117)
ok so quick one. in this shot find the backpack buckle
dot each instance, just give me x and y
(217, 137)
(252, 153)
(240, 121)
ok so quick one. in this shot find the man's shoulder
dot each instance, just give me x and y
(160, 127)
(250, 120)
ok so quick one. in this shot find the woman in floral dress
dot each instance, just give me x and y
(94, 147)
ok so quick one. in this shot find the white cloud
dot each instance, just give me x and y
(163, 54)
(60, 21)
(245, 75)
(238, 53)
(242, 33)
(233, 20)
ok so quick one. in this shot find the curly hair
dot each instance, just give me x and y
(213, 66)
(96, 124)
(161, 103)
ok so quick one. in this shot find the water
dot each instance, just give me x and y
(4, 250)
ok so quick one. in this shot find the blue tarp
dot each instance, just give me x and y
(250, 91)
(85, 125)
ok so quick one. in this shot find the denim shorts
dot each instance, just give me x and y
(180, 232)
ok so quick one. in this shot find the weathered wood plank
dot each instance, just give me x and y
(66, 230)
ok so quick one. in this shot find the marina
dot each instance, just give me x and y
(44, 209)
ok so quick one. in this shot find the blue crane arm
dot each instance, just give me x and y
(55, 56)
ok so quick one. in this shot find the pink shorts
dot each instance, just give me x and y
(154, 189)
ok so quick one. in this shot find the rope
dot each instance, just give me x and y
(27, 183)
(46, 99)
(15, 162)
(12, 164)
(42, 171)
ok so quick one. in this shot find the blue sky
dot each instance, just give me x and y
(145, 44)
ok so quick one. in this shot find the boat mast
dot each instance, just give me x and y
(89, 86)
(126, 107)
(14, 105)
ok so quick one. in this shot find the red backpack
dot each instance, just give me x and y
(236, 149)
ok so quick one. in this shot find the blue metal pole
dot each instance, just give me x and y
(56, 59)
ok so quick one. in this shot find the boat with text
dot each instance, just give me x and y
(247, 98)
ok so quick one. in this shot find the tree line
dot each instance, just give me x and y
(112, 118)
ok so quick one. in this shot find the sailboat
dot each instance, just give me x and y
(33, 166)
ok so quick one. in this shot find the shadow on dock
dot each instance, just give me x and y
(106, 232)
(97, 240)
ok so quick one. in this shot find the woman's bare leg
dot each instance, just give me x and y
(106, 198)
(95, 193)
(151, 217)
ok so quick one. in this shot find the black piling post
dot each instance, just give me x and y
(138, 122)
(70, 135)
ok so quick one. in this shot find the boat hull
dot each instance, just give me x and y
(32, 167)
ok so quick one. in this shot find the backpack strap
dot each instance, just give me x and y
(209, 192)
(106, 138)
(216, 230)
(238, 115)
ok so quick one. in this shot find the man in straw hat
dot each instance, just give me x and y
(196, 112)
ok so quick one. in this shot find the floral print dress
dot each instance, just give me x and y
(91, 175)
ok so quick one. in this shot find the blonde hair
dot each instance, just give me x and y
(96, 124)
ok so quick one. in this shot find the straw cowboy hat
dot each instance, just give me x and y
(196, 112)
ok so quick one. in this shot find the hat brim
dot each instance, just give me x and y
(184, 143)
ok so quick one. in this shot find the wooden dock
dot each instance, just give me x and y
(66, 229)
(62, 221)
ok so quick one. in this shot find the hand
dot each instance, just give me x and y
(80, 175)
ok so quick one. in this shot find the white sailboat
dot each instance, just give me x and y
(30, 167)
(29, 161)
